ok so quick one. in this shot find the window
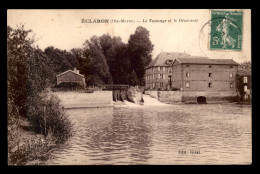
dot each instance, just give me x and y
(161, 85)
(161, 68)
(163, 76)
(160, 76)
(245, 88)
(187, 74)
(231, 85)
(245, 79)
(158, 68)
(187, 85)
(210, 85)
(153, 85)
(230, 74)
(210, 75)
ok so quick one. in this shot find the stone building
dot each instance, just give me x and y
(204, 74)
(158, 73)
(201, 78)
(71, 77)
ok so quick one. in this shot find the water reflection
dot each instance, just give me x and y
(155, 135)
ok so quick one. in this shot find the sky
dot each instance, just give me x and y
(64, 29)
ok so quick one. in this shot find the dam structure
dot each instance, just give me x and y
(77, 100)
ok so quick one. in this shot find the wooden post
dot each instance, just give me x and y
(44, 115)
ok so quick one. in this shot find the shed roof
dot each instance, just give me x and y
(69, 71)
(206, 61)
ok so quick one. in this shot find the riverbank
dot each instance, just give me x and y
(30, 148)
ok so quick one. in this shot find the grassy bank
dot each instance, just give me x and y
(29, 148)
(31, 139)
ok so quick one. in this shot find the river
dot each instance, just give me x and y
(175, 134)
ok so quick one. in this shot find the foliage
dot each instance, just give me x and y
(139, 51)
(83, 58)
(59, 61)
(114, 51)
(99, 69)
(18, 50)
(106, 59)
(132, 79)
(246, 65)
(30, 72)
(49, 118)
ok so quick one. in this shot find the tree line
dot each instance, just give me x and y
(102, 60)
(107, 60)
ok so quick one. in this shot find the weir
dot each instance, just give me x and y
(119, 92)
(71, 100)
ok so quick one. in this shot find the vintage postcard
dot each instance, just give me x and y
(129, 87)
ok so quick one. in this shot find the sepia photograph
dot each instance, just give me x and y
(129, 87)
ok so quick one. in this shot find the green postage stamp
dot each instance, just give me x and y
(226, 30)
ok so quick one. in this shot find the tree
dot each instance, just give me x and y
(114, 51)
(132, 79)
(139, 51)
(61, 60)
(19, 51)
(83, 58)
(246, 65)
(29, 72)
(99, 69)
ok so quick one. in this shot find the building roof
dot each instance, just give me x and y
(161, 59)
(206, 61)
(185, 58)
(244, 72)
(69, 71)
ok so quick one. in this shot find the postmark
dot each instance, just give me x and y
(226, 30)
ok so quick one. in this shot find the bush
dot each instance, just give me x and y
(49, 119)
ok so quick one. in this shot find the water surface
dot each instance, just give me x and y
(221, 134)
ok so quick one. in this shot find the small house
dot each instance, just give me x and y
(72, 77)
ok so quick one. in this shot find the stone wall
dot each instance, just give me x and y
(170, 96)
(153, 94)
(211, 97)
(85, 100)
(191, 96)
